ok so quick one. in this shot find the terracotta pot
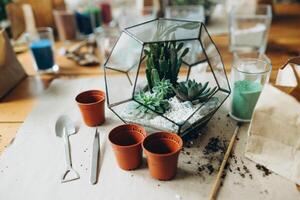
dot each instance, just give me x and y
(92, 107)
(126, 142)
(162, 150)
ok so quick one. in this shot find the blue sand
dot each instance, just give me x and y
(84, 23)
(42, 53)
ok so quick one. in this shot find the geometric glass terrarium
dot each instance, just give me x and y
(171, 76)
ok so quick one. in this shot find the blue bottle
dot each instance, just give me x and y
(84, 23)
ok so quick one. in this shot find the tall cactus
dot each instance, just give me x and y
(164, 62)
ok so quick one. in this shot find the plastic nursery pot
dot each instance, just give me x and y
(162, 150)
(126, 142)
(92, 107)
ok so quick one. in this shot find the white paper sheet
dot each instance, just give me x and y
(32, 166)
(274, 134)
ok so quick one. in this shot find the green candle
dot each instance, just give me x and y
(245, 96)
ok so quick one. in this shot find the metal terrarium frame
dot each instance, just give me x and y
(148, 33)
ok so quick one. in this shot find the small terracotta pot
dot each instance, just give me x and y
(162, 150)
(92, 107)
(126, 142)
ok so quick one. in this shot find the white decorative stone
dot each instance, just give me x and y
(179, 112)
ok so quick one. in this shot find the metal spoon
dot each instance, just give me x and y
(64, 127)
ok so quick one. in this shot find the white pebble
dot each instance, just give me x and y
(178, 112)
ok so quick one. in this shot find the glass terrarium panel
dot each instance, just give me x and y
(132, 112)
(202, 73)
(214, 59)
(141, 80)
(219, 72)
(195, 54)
(183, 73)
(126, 54)
(119, 85)
(180, 111)
(145, 31)
(165, 29)
(201, 116)
(127, 111)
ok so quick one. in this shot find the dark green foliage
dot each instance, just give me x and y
(153, 101)
(164, 60)
(2, 9)
(192, 91)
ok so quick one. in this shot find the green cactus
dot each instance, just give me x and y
(151, 101)
(192, 91)
(164, 60)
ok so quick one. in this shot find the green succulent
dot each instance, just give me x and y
(192, 91)
(163, 87)
(151, 101)
(164, 60)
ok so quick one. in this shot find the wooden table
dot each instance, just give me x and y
(284, 42)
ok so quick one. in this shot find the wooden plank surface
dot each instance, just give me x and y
(16, 105)
(67, 66)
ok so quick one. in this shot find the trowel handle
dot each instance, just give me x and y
(67, 149)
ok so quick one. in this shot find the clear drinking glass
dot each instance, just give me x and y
(249, 28)
(41, 46)
(130, 17)
(106, 37)
(253, 54)
(248, 76)
(194, 13)
(65, 24)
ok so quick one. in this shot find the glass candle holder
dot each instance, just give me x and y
(106, 37)
(41, 46)
(253, 55)
(194, 12)
(249, 28)
(248, 76)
